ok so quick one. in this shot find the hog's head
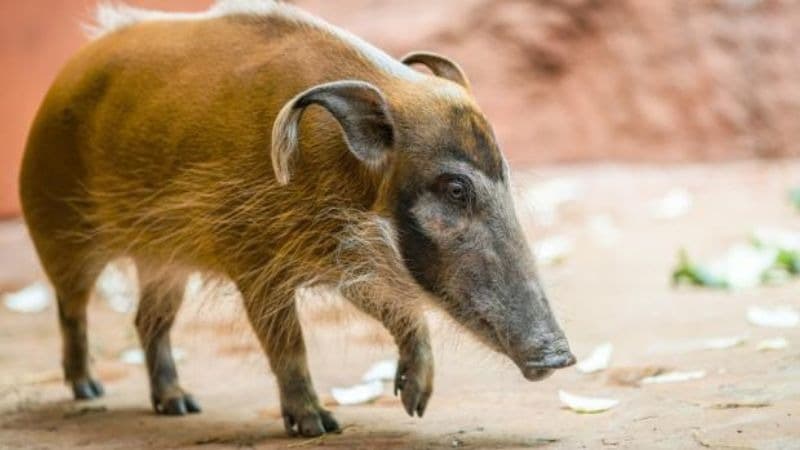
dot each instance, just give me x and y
(445, 184)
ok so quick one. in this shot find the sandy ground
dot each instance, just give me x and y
(613, 291)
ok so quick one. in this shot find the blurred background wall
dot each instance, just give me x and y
(562, 80)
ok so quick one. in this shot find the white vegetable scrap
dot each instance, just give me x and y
(777, 238)
(772, 256)
(674, 204)
(135, 356)
(381, 371)
(553, 250)
(776, 317)
(714, 343)
(358, 394)
(674, 377)
(744, 266)
(723, 343)
(31, 299)
(178, 354)
(117, 288)
(603, 230)
(772, 344)
(194, 286)
(598, 360)
(545, 199)
(586, 404)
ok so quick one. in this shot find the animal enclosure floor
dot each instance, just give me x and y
(613, 286)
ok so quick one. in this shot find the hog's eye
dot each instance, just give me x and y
(454, 188)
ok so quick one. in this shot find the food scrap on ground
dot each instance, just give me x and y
(723, 343)
(742, 267)
(117, 288)
(381, 371)
(674, 377)
(371, 386)
(773, 317)
(674, 204)
(553, 250)
(598, 360)
(31, 299)
(546, 198)
(692, 345)
(135, 356)
(358, 394)
(772, 344)
(604, 230)
(771, 256)
(195, 286)
(586, 405)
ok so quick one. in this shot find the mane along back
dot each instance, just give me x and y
(111, 17)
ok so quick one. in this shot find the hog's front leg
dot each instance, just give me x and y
(281, 337)
(414, 378)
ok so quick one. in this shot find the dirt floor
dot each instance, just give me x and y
(605, 290)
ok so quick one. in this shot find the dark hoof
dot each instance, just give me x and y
(87, 389)
(311, 424)
(176, 406)
(414, 382)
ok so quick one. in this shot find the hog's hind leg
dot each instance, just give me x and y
(161, 297)
(281, 337)
(72, 303)
(72, 273)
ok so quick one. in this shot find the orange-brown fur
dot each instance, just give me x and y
(265, 147)
(154, 143)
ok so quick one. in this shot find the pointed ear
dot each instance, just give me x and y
(439, 65)
(359, 107)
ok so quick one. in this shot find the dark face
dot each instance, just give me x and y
(461, 240)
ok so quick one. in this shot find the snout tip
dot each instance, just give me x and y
(543, 368)
(534, 374)
(559, 360)
(556, 360)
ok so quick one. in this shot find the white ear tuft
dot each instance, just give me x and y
(361, 111)
(285, 141)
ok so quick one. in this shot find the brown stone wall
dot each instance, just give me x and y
(575, 80)
(36, 39)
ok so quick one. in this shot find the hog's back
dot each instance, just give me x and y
(158, 135)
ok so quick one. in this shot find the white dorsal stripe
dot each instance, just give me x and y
(110, 17)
